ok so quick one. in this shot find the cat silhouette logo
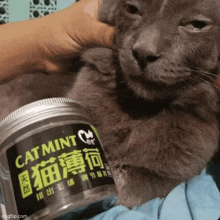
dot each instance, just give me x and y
(87, 138)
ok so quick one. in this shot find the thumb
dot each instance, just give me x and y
(96, 32)
(83, 26)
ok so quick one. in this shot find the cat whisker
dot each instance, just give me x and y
(208, 77)
(202, 72)
(198, 79)
(205, 73)
(194, 79)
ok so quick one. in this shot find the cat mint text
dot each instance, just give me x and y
(45, 149)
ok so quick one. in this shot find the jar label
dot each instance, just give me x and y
(53, 165)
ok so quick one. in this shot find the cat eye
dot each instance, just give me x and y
(197, 25)
(131, 9)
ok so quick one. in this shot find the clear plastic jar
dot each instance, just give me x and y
(51, 161)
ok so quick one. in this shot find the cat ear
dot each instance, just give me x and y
(108, 11)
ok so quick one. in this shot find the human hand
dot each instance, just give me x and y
(68, 30)
(49, 44)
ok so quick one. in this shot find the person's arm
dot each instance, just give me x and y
(19, 50)
(48, 44)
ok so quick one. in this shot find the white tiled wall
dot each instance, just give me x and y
(17, 10)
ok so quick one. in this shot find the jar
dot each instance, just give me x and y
(51, 161)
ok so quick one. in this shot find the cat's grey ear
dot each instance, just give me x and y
(108, 10)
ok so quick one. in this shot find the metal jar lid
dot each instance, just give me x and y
(37, 111)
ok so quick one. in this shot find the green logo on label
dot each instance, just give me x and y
(25, 184)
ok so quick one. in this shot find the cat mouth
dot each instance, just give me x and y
(149, 79)
(155, 87)
(157, 80)
(163, 73)
(159, 73)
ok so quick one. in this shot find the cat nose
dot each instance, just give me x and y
(144, 55)
(146, 48)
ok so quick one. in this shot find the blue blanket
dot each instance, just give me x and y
(197, 199)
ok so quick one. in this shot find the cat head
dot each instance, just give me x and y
(162, 44)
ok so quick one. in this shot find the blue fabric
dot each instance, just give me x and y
(197, 199)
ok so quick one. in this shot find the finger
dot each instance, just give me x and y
(100, 33)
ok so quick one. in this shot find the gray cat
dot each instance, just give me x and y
(152, 97)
